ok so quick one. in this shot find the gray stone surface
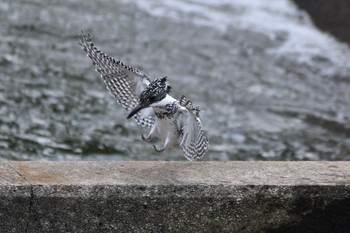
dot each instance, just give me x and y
(179, 196)
(184, 173)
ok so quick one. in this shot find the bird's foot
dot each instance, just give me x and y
(148, 139)
(155, 148)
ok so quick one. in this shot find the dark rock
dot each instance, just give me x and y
(332, 16)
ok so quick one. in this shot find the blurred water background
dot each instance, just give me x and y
(272, 85)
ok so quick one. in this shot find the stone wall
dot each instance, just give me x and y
(174, 197)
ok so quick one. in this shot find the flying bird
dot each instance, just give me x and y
(149, 103)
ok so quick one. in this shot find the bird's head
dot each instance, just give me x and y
(153, 94)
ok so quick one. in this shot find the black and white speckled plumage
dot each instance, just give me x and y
(168, 111)
(124, 82)
(150, 104)
(194, 141)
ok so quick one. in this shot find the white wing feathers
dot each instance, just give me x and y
(124, 82)
(194, 142)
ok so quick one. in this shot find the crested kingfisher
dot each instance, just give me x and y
(176, 122)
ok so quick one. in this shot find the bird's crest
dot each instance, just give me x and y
(156, 90)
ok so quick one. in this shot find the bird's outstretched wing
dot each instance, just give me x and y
(124, 82)
(194, 142)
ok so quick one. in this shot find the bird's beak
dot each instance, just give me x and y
(136, 110)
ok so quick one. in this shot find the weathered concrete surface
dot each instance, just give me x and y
(15, 196)
(176, 196)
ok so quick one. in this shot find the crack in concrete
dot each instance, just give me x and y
(31, 196)
(29, 207)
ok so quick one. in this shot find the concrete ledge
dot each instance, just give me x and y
(174, 196)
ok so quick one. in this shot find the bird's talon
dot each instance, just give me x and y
(155, 148)
(145, 139)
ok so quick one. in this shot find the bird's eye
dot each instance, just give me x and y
(152, 98)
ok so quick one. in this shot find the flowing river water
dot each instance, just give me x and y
(272, 86)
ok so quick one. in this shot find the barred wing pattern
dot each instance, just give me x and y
(124, 82)
(194, 142)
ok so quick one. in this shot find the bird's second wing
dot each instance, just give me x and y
(194, 141)
(124, 82)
